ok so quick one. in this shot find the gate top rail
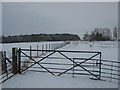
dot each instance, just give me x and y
(71, 51)
(61, 51)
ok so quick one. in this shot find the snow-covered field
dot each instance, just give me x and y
(109, 51)
(44, 80)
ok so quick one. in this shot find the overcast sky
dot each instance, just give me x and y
(69, 17)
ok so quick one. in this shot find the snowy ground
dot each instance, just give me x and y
(109, 49)
(43, 80)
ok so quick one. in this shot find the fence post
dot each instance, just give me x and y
(19, 61)
(37, 50)
(46, 48)
(3, 63)
(30, 51)
(0, 62)
(42, 48)
(49, 46)
(14, 61)
(52, 46)
(6, 71)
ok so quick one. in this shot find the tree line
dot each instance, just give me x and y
(39, 38)
(102, 34)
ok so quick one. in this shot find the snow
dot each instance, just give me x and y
(106, 47)
(109, 51)
(44, 80)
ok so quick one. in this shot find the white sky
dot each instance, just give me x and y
(61, 17)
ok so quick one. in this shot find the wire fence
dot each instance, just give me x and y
(6, 67)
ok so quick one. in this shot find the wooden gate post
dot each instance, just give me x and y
(6, 70)
(19, 61)
(14, 60)
(2, 67)
(0, 62)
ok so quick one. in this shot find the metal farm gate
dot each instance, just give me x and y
(5, 67)
(75, 66)
(59, 62)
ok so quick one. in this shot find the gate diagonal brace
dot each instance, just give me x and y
(90, 58)
(85, 68)
(76, 64)
(36, 63)
(67, 70)
(8, 60)
(46, 56)
(44, 68)
(68, 58)
(89, 72)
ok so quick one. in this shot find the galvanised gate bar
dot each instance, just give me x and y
(22, 53)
